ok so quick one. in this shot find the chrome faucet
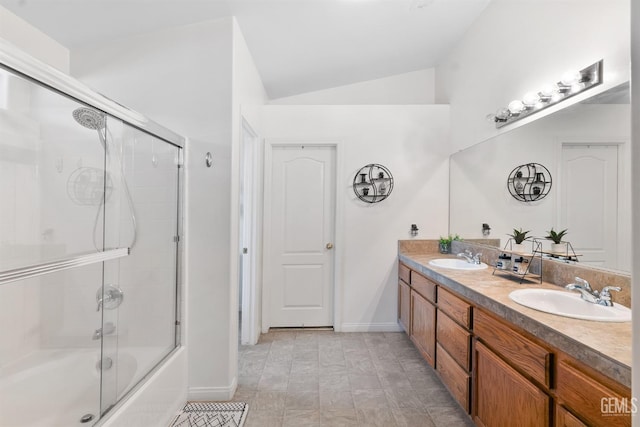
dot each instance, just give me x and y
(470, 257)
(108, 329)
(588, 294)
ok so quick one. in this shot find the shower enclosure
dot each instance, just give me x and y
(89, 248)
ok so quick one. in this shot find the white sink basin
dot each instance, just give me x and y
(569, 304)
(456, 264)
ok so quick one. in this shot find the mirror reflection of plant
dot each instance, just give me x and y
(449, 239)
(519, 236)
(556, 236)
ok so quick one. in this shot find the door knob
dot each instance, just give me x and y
(329, 246)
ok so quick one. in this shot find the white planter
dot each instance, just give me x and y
(522, 248)
(559, 248)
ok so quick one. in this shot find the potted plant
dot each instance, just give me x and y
(558, 246)
(445, 243)
(519, 237)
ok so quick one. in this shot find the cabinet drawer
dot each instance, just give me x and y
(456, 308)
(521, 352)
(455, 339)
(404, 273)
(457, 380)
(424, 286)
(596, 403)
(565, 418)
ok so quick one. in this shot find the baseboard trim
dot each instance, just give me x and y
(371, 327)
(212, 393)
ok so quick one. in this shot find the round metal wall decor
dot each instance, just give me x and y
(373, 183)
(530, 182)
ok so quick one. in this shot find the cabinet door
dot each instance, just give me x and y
(502, 395)
(404, 305)
(565, 418)
(423, 326)
(593, 401)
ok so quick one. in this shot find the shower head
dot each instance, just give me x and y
(89, 118)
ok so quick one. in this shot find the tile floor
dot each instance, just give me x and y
(321, 378)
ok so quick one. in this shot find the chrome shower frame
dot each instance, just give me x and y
(18, 62)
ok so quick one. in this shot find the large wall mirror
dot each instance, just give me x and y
(586, 148)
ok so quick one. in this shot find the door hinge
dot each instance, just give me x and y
(181, 158)
(176, 239)
(245, 250)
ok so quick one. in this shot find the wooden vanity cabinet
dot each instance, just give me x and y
(499, 373)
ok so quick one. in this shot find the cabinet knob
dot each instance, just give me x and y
(329, 246)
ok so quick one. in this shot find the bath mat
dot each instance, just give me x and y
(212, 414)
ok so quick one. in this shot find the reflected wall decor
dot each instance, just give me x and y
(530, 182)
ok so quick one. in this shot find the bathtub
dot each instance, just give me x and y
(51, 388)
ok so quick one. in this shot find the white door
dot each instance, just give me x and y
(589, 201)
(299, 248)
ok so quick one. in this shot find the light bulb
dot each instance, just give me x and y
(502, 115)
(577, 87)
(516, 107)
(570, 77)
(530, 99)
(547, 91)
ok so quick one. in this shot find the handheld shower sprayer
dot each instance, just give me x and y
(96, 120)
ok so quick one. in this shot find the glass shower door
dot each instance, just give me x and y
(139, 330)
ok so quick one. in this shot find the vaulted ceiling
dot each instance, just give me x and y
(298, 45)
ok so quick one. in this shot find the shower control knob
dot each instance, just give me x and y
(111, 298)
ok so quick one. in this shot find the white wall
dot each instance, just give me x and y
(635, 160)
(416, 87)
(182, 78)
(247, 90)
(33, 41)
(516, 46)
(412, 142)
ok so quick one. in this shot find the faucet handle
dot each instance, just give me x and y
(582, 282)
(605, 295)
(605, 291)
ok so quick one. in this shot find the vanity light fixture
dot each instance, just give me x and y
(571, 83)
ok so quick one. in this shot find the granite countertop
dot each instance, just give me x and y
(604, 346)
